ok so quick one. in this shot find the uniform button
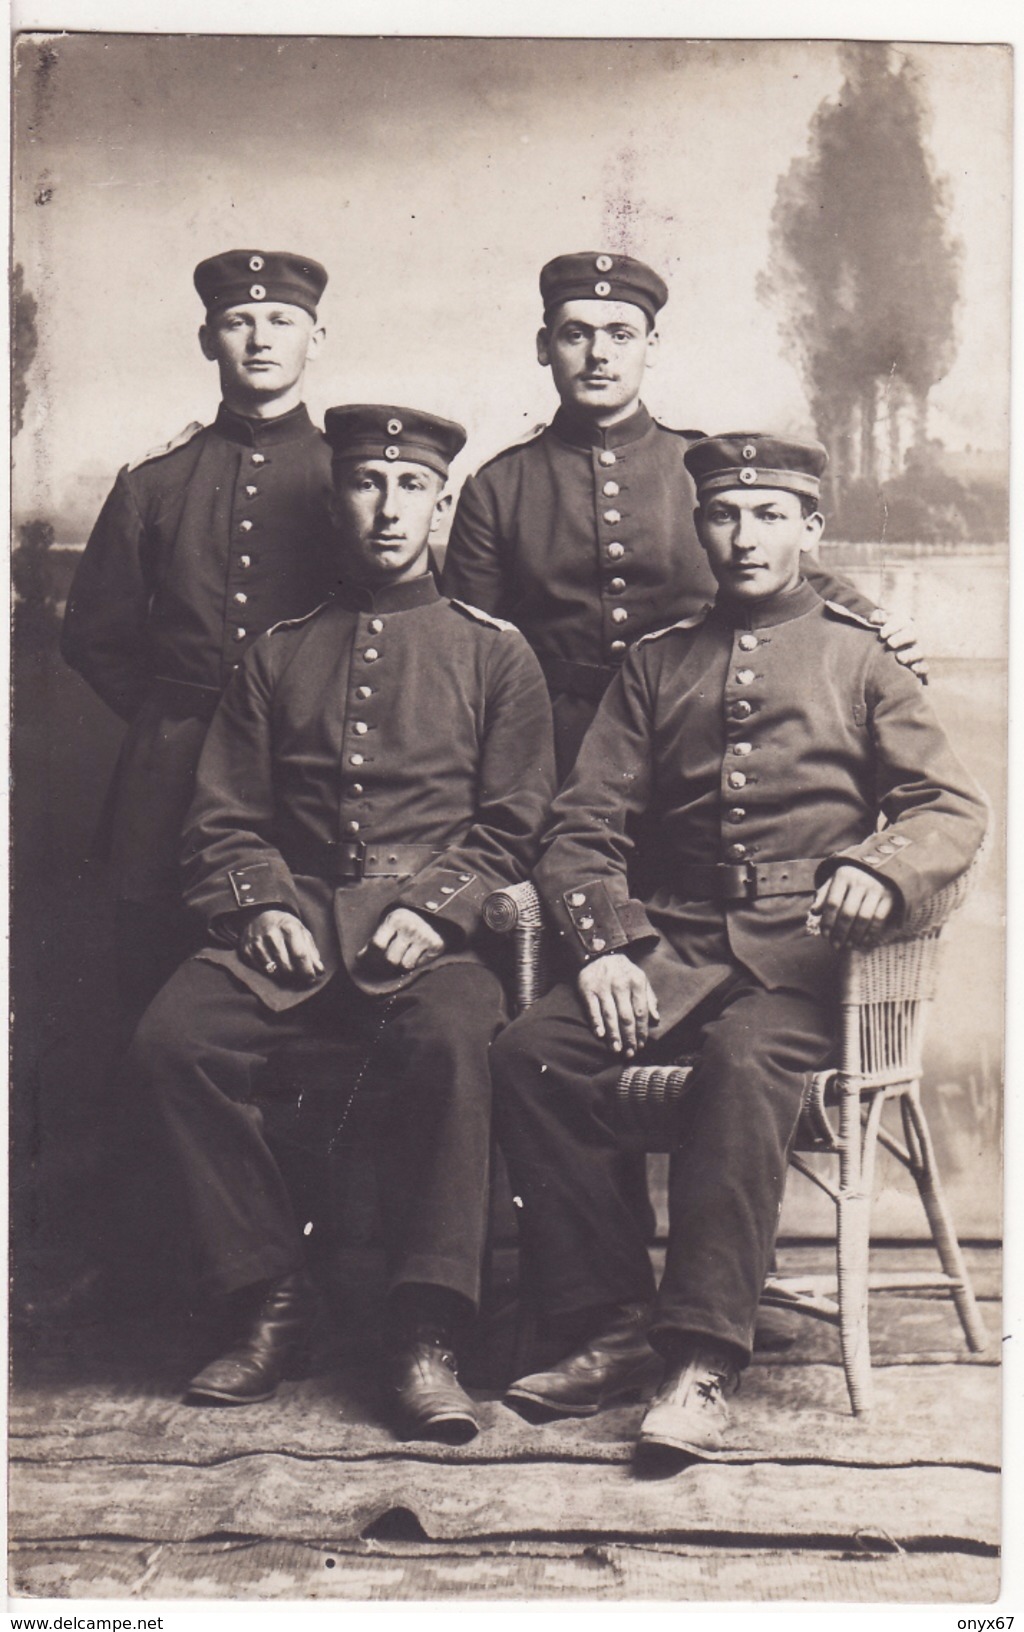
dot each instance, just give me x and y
(355, 759)
(612, 516)
(736, 814)
(360, 728)
(617, 585)
(616, 550)
(586, 923)
(351, 827)
(610, 489)
(252, 491)
(748, 643)
(597, 945)
(364, 691)
(606, 457)
(742, 748)
(464, 878)
(618, 646)
(577, 899)
(240, 634)
(259, 458)
(432, 906)
(245, 561)
(376, 626)
(447, 889)
(245, 526)
(240, 598)
(371, 654)
(619, 614)
(737, 779)
(357, 788)
(737, 851)
(742, 710)
(745, 677)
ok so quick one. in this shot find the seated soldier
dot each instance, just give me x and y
(374, 770)
(730, 786)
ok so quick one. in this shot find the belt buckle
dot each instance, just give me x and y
(739, 881)
(348, 856)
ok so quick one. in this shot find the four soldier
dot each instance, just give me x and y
(355, 779)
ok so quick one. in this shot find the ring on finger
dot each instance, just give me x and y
(271, 966)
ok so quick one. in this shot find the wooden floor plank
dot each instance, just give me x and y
(922, 1414)
(283, 1498)
(283, 1570)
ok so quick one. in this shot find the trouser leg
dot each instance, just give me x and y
(727, 1177)
(190, 1061)
(434, 1157)
(554, 1088)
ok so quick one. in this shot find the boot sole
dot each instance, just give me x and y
(559, 1408)
(671, 1442)
(298, 1367)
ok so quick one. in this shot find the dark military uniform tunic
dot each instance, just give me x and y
(198, 550)
(748, 751)
(584, 538)
(393, 749)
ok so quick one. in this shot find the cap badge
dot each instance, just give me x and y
(603, 263)
(256, 263)
(391, 452)
(750, 452)
(602, 288)
(748, 475)
(394, 427)
(257, 292)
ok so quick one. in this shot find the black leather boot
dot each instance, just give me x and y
(424, 1391)
(616, 1363)
(276, 1346)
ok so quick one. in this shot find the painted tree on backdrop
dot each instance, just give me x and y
(865, 273)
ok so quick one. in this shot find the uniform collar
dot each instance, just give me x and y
(781, 608)
(262, 433)
(357, 597)
(581, 432)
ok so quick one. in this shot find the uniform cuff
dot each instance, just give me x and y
(591, 923)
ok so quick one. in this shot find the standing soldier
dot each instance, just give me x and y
(582, 535)
(200, 547)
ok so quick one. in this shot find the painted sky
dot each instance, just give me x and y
(433, 178)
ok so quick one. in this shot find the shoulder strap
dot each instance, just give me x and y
(191, 430)
(479, 616)
(693, 622)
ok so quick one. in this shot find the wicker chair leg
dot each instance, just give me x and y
(940, 1219)
(853, 1239)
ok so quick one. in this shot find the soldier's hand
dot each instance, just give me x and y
(620, 1002)
(279, 945)
(854, 907)
(900, 636)
(405, 940)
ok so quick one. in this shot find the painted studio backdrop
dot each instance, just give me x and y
(833, 223)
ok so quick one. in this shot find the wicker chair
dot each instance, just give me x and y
(883, 1004)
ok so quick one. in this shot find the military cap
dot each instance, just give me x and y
(241, 276)
(755, 459)
(593, 275)
(372, 430)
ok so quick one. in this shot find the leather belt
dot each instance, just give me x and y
(185, 700)
(346, 861)
(589, 680)
(746, 881)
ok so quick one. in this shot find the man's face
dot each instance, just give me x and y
(384, 512)
(597, 351)
(261, 349)
(754, 538)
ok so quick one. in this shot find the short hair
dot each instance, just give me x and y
(808, 505)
